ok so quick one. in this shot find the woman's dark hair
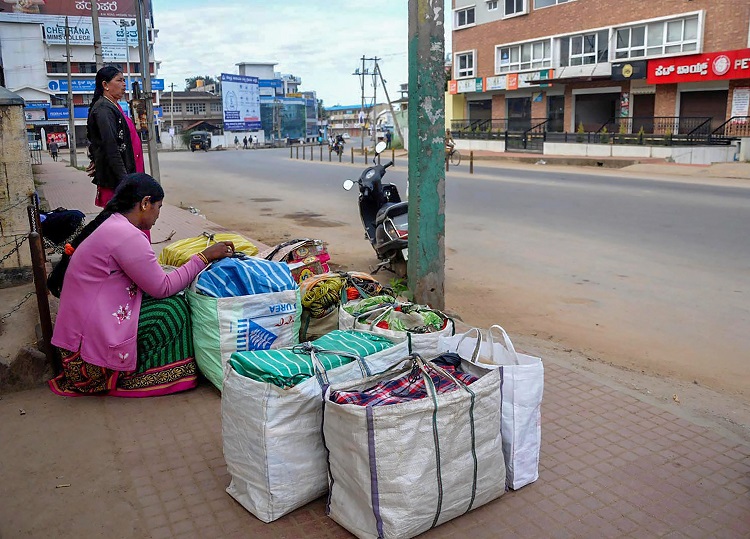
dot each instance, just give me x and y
(105, 74)
(132, 189)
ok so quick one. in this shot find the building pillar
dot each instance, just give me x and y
(16, 191)
(538, 108)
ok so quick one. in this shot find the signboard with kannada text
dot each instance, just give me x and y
(76, 8)
(88, 85)
(240, 102)
(726, 65)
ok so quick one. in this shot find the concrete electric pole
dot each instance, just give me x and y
(427, 152)
(171, 114)
(97, 36)
(71, 108)
(153, 155)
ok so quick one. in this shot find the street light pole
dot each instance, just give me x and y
(171, 114)
(71, 108)
(125, 24)
(97, 36)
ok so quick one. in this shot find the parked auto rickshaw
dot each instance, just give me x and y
(200, 140)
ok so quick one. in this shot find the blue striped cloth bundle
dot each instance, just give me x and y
(233, 277)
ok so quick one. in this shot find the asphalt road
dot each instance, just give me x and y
(650, 274)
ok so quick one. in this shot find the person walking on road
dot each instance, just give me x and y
(388, 137)
(244, 143)
(236, 142)
(53, 149)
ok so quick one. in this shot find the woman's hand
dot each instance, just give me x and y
(218, 251)
(91, 169)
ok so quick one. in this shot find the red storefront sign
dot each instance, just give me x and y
(700, 67)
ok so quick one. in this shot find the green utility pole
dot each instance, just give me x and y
(427, 152)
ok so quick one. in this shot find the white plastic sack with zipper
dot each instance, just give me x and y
(397, 470)
(272, 436)
(523, 388)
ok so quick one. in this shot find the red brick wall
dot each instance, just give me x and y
(726, 24)
(665, 100)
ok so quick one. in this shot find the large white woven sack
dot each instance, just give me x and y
(223, 326)
(272, 437)
(398, 470)
(523, 388)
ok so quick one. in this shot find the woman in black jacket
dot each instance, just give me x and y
(115, 149)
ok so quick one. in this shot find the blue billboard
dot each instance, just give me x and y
(88, 85)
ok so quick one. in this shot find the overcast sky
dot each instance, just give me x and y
(320, 41)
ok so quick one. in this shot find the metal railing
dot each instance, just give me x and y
(36, 155)
(658, 125)
(734, 127)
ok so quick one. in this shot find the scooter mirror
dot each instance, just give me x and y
(348, 184)
(380, 147)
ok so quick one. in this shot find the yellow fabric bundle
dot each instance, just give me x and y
(321, 293)
(179, 252)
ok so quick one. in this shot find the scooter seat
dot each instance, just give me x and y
(397, 208)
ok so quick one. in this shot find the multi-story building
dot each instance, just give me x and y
(192, 110)
(34, 63)
(665, 66)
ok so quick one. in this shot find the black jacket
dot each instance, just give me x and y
(111, 148)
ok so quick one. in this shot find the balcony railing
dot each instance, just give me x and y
(734, 127)
(658, 125)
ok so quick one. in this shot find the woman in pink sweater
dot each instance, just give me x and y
(106, 271)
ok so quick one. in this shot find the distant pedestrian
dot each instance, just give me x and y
(236, 142)
(53, 149)
(388, 137)
(244, 143)
(255, 141)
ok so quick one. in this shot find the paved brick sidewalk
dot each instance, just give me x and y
(611, 466)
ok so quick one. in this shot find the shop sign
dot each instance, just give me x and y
(629, 70)
(514, 81)
(88, 85)
(36, 105)
(469, 85)
(35, 115)
(73, 8)
(495, 83)
(81, 32)
(452, 87)
(741, 103)
(725, 65)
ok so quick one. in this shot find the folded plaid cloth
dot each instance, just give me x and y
(408, 387)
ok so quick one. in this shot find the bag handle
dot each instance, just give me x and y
(386, 311)
(506, 343)
(477, 344)
(320, 371)
(309, 348)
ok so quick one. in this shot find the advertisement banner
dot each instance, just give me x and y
(60, 138)
(88, 85)
(495, 83)
(469, 85)
(452, 87)
(113, 33)
(724, 65)
(241, 102)
(76, 8)
(741, 103)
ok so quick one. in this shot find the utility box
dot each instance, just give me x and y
(16, 191)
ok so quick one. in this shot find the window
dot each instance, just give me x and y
(464, 17)
(195, 108)
(585, 49)
(657, 38)
(491, 5)
(59, 100)
(514, 7)
(57, 67)
(464, 64)
(524, 57)
(216, 107)
(87, 67)
(547, 3)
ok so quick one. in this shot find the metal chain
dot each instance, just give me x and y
(14, 240)
(8, 208)
(6, 257)
(14, 309)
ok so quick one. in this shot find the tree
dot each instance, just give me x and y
(192, 81)
(323, 114)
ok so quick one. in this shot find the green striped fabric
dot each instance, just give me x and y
(288, 367)
(164, 332)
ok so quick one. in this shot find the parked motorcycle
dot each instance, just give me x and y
(384, 217)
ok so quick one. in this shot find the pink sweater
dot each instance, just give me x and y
(101, 296)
